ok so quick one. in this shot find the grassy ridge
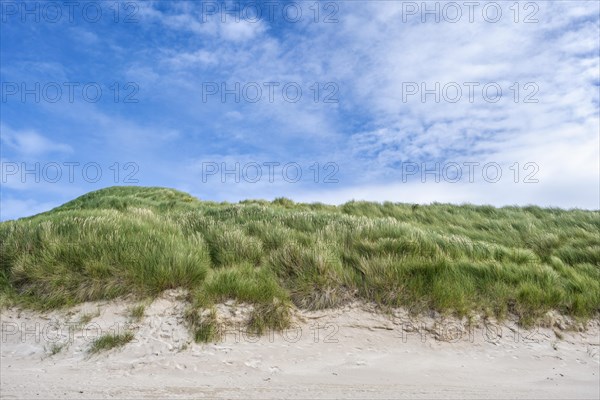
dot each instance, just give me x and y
(460, 259)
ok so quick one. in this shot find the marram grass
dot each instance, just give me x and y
(455, 259)
(110, 341)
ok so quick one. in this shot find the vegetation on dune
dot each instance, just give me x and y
(456, 259)
(136, 313)
(110, 341)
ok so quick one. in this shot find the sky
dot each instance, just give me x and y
(415, 102)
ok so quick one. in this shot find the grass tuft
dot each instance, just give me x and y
(271, 316)
(56, 348)
(110, 341)
(136, 313)
(204, 326)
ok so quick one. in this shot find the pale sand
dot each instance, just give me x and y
(358, 353)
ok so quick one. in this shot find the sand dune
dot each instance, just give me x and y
(352, 352)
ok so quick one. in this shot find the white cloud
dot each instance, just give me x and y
(241, 31)
(200, 58)
(372, 61)
(30, 142)
(221, 26)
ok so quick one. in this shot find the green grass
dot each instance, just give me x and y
(110, 341)
(136, 313)
(274, 255)
(204, 326)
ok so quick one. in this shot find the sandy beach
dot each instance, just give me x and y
(351, 352)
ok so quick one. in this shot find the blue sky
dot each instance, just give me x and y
(387, 93)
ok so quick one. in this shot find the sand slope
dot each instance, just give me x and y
(353, 352)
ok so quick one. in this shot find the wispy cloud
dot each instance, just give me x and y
(30, 143)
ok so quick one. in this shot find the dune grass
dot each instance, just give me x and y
(454, 259)
(205, 326)
(110, 341)
(136, 313)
